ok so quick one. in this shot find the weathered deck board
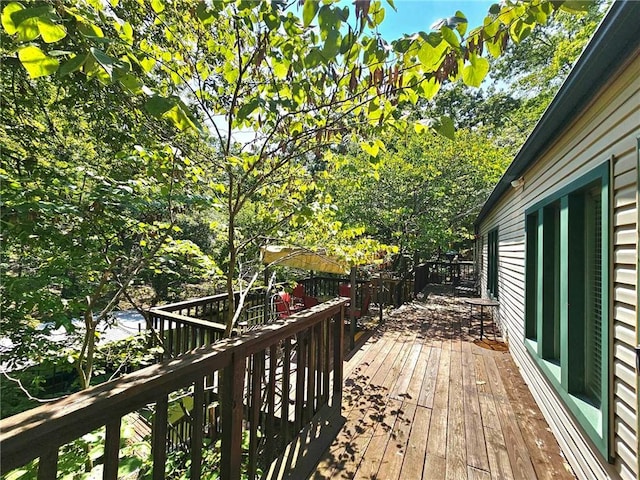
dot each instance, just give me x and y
(414, 457)
(423, 400)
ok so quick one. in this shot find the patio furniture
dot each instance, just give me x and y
(482, 303)
(467, 287)
(344, 290)
(280, 304)
(309, 302)
(297, 298)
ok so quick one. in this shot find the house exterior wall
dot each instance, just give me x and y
(607, 129)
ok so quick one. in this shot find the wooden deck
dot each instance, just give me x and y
(422, 399)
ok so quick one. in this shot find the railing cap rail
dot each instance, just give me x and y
(195, 322)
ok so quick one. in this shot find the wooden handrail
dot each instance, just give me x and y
(41, 431)
(195, 322)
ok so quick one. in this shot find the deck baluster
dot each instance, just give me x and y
(338, 345)
(254, 410)
(311, 375)
(159, 437)
(286, 385)
(48, 465)
(301, 366)
(112, 449)
(233, 387)
(271, 394)
(197, 428)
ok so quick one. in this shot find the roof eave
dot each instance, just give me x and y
(611, 44)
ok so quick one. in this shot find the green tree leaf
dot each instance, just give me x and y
(105, 61)
(37, 63)
(575, 6)
(495, 44)
(309, 11)
(158, 106)
(127, 32)
(157, 5)
(28, 30)
(72, 65)
(248, 108)
(180, 118)
(461, 23)
(475, 71)
(445, 127)
(332, 44)
(8, 22)
(450, 37)
(131, 83)
(327, 20)
(51, 32)
(430, 88)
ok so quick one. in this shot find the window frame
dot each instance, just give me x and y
(594, 419)
(492, 262)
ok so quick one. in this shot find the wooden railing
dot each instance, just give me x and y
(268, 382)
(445, 272)
(385, 291)
(391, 291)
(183, 326)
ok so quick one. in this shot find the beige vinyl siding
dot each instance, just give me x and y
(607, 129)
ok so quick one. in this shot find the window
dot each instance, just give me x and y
(492, 263)
(566, 297)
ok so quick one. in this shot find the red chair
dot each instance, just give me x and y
(344, 290)
(310, 301)
(297, 299)
(366, 300)
(298, 291)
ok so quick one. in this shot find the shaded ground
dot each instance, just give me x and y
(424, 398)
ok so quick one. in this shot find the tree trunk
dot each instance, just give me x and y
(231, 269)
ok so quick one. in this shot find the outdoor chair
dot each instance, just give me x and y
(297, 299)
(470, 287)
(344, 290)
(309, 302)
(280, 305)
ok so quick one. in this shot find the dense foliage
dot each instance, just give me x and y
(424, 193)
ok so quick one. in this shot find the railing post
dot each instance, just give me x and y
(48, 465)
(232, 390)
(352, 308)
(112, 450)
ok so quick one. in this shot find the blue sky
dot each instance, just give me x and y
(418, 15)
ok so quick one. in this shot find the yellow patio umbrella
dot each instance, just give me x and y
(303, 258)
